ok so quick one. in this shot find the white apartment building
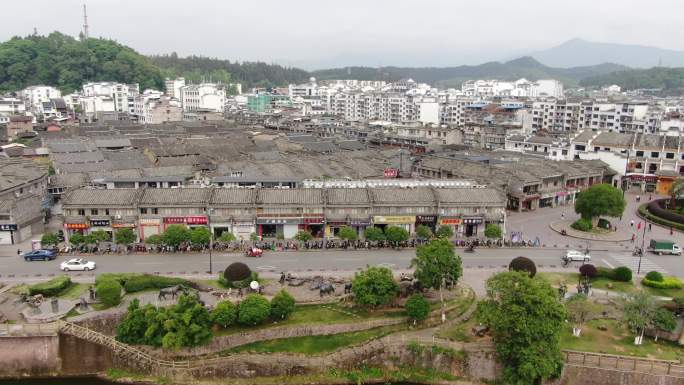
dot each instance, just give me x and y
(562, 116)
(306, 90)
(35, 96)
(428, 110)
(173, 87)
(118, 92)
(205, 96)
(91, 105)
(12, 106)
(519, 88)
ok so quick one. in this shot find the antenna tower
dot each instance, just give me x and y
(85, 23)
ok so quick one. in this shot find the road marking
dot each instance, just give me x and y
(266, 267)
(386, 264)
(347, 259)
(607, 263)
(150, 263)
(633, 263)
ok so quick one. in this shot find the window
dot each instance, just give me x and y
(143, 210)
(655, 154)
(669, 155)
(641, 154)
(638, 165)
(81, 212)
(155, 211)
(93, 212)
(106, 211)
(652, 167)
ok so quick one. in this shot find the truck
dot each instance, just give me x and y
(663, 246)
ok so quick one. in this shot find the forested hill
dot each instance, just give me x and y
(66, 63)
(524, 67)
(250, 74)
(659, 77)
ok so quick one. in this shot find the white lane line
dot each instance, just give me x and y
(150, 263)
(607, 263)
(386, 264)
(266, 267)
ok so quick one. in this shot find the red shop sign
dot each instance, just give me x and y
(196, 220)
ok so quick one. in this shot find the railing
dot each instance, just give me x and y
(22, 330)
(624, 363)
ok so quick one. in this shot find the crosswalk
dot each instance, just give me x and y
(633, 263)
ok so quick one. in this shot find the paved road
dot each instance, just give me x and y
(302, 261)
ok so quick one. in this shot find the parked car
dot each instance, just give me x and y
(663, 246)
(77, 264)
(39, 255)
(574, 255)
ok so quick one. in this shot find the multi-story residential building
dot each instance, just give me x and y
(19, 124)
(205, 96)
(271, 213)
(519, 88)
(173, 87)
(22, 191)
(35, 96)
(12, 106)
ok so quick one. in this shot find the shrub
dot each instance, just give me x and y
(227, 236)
(604, 272)
(654, 276)
(236, 271)
(423, 232)
(238, 284)
(254, 310)
(622, 274)
(603, 224)
(142, 282)
(224, 314)
(445, 231)
(282, 305)
(303, 236)
(523, 264)
(347, 233)
(49, 239)
(374, 234)
(582, 224)
(492, 230)
(417, 307)
(666, 283)
(374, 286)
(51, 288)
(109, 292)
(588, 271)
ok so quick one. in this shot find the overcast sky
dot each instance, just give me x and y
(325, 33)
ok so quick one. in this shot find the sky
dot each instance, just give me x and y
(316, 34)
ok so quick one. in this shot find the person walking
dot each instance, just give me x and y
(650, 226)
(633, 238)
(631, 223)
(563, 214)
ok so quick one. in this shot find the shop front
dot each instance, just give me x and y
(7, 231)
(149, 227)
(333, 226)
(472, 226)
(73, 228)
(314, 225)
(407, 222)
(272, 227)
(454, 222)
(127, 224)
(243, 227)
(360, 224)
(193, 221)
(547, 200)
(647, 183)
(102, 224)
(427, 220)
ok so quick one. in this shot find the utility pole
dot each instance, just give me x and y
(641, 251)
(85, 23)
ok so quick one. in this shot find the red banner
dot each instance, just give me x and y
(186, 220)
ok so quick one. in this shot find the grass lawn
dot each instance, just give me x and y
(319, 314)
(664, 292)
(459, 332)
(75, 291)
(313, 344)
(571, 279)
(617, 339)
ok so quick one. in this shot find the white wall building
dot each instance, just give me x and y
(118, 92)
(205, 96)
(35, 96)
(173, 87)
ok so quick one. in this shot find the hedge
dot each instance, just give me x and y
(109, 292)
(51, 288)
(666, 283)
(644, 213)
(582, 224)
(604, 272)
(621, 273)
(254, 276)
(146, 281)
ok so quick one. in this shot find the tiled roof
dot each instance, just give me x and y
(175, 196)
(93, 197)
(290, 196)
(233, 196)
(341, 196)
(402, 195)
(468, 195)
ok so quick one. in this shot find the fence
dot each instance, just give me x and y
(23, 330)
(624, 363)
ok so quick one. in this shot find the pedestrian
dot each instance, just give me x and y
(631, 223)
(671, 230)
(633, 238)
(650, 197)
(18, 251)
(563, 214)
(650, 226)
(638, 198)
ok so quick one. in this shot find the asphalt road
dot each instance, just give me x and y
(328, 260)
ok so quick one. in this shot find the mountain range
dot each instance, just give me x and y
(578, 52)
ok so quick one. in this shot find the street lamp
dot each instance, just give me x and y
(641, 251)
(210, 212)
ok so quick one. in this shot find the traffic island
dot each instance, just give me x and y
(563, 227)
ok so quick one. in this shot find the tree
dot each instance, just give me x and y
(423, 232)
(492, 230)
(436, 265)
(639, 312)
(254, 310)
(417, 307)
(526, 319)
(374, 234)
(396, 234)
(445, 231)
(187, 323)
(347, 233)
(303, 236)
(676, 190)
(282, 305)
(374, 286)
(100, 236)
(124, 236)
(580, 310)
(200, 236)
(588, 270)
(224, 314)
(175, 235)
(227, 236)
(523, 264)
(600, 199)
(49, 239)
(664, 320)
(253, 237)
(89, 240)
(76, 239)
(154, 239)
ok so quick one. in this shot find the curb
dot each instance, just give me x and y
(568, 234)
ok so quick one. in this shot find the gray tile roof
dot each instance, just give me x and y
(402, 195)
(614, 139)
(95, 197)
(78, 157)
(233, 196)
(468, 195)
(113, 142)
(176, 196)
(350, 196)
(19, 171)
(290, 197)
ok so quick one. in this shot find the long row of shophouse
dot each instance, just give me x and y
(273, 212)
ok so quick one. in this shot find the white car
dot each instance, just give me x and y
(574, 255)
(77, 264)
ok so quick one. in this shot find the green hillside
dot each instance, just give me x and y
(658, 77)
